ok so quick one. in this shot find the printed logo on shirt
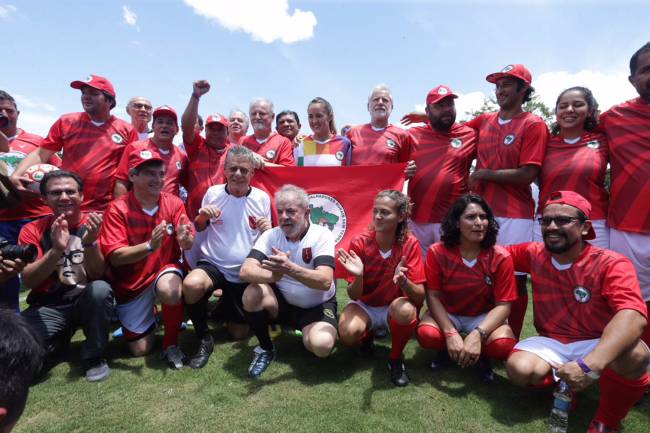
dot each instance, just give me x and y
(329, 313)
(509, 139)
(145, 154)
(391, 144)
(507, 68)
(169, 229)
(306, 255)
(582, 294)
(488, 280)
(456, 143)
(270, 154)
(179, 165)
(117, 138)
(593, 144)
(339, 155)
(252, 222)
(326, 211)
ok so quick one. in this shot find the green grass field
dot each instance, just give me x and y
(299, 393)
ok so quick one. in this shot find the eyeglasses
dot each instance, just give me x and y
(75, 257)
(560, 221)
(59, 193)
(140, 106)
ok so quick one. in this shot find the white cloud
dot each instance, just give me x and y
(6, 10)
(24, 101)
(129, 16)
(264, 20)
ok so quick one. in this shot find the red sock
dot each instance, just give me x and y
(172, 318)
(517, 314)
(499, 348)
(617, 396)
(400, 335)
(547, 382)
(431, 338)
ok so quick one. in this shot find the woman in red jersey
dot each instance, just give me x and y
(470, 285)
(386, 282)
(576, 158)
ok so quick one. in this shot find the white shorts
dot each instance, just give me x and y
(137, 315)
(600, 227)
(555, 352)
(514, 231)
(378, 315)
(426, 234)
(466, 324)
(636, 247)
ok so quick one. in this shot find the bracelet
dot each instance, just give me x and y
(586, 370)
(451, 333)
(482, 333)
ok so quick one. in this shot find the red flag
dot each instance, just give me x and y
(340, 198)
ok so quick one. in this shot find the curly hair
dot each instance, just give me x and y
(403, 205)
(592, 117)
(450, 228)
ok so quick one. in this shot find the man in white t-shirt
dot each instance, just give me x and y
(291, 274)
(231, 218)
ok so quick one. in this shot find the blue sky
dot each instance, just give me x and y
(291, 51)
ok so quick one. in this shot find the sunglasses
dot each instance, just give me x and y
(560, 221)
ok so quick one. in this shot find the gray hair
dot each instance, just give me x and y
(242, 151)
(379, 88)
(300, 194)
(237, 110)
(261, 101)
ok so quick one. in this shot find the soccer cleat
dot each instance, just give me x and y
(398, 372)
(260, 362)
(441, 361)
(202, 355)
(175, 358)
(599, 427)
(485, 371)
(97, 370)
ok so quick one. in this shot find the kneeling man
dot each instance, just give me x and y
(291, 274)
(588, 310)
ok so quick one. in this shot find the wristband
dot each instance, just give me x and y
(451, 333)
(586, 370)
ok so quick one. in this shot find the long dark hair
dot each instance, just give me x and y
(403, 205)
(592, 117)
(450, 228)
(328, 109)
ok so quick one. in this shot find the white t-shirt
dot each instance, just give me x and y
(227, 240)
(315, 249)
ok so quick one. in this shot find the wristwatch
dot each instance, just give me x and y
(586, 370)
(149, 247)
(482, 333)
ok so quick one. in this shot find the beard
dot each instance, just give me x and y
(561, 248)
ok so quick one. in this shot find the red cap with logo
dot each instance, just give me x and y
(439, 93)
(96, 82)
(574, 199)
(165, 110)
(216, 118)
(517, 71)
(139, 157)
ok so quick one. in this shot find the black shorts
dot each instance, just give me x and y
(230, 307)
(298, 318)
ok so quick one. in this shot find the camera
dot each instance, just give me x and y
(26, 253)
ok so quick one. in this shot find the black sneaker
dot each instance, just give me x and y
(485, 371)
(260, 362)
(441, 361)
(174, 357)
(202, 355)
(398, 372)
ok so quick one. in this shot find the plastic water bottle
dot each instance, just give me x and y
(559, 418)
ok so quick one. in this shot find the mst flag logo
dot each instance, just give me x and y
(326, 211)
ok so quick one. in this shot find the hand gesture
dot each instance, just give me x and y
(262, 224)
(200, 88)
(278, 262)
(21, 183)
(10, 268)
(351, 262)
(471, 350)
(184, 233)
(413, 117)
(93, 225)
(60, 235)
(158, 234)
(399, 277)
(210, 211)
(410, 169)
(573, 375)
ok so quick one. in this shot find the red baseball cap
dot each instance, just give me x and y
(140, 156)
(96, 82)
(574, 199)
(165, 110)
(517, 71)
(216, 118)
(439, 93)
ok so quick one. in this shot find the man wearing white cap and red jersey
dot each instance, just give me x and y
(142, 235)
(588, 311)
(511, 145)
(92, 143)
(165, 127)
(443, 152)
(206, 155)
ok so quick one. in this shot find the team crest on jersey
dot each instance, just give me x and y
(270, 154)
(252, 222)
(488, 280)
(507, 68)
(145, 154)
(307, 255)
(326, 211)
(391, 144)
(117, 139)
(169, 229)
(456, 143)
(329, 313)
(179, 165)
(582, 294)
(593, 144)
(339, 155)
(509, 139)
